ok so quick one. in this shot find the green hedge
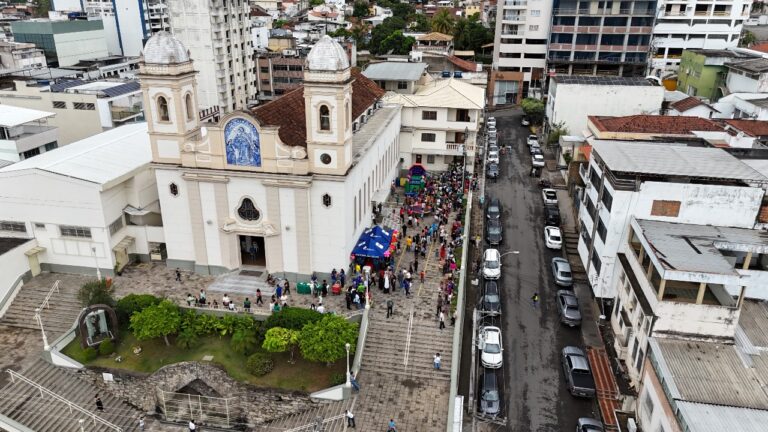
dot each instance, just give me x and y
(292, 318)
(259, 364)
(131, 303)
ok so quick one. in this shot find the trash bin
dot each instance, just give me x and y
(303, 288)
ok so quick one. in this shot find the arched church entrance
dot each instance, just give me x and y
(252, 251)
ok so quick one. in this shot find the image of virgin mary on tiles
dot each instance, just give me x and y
(242, 143)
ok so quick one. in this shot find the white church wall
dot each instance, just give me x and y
(176, 217)
(288, 230)
(211, 224)
(329, 225)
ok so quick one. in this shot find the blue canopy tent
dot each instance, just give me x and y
(373, 243)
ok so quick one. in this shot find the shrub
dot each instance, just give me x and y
(259, 364)
(323, 341)
(187, 339)
(107, 347)
(292, 318)
(338, 378)
(96, 292)
(90, 354)
(161, 319)
(244, 341)
(131, 303)
(278, 339)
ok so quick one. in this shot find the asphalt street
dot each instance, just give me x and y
(534, 393)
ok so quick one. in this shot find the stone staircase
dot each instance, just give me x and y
(385, 345)
(331, 412)
(61, 313)
(243, 284)
(571, 238)
(24, 403)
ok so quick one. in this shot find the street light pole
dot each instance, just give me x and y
(349, 377)
(40, 323)
(96, 260)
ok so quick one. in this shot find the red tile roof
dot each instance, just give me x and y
(287, 112)
(755, 128)
(684, 105)
(462, 64)
(762, 47)
(650, 124)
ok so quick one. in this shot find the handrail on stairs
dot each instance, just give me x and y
(48, 296)
(72, 406)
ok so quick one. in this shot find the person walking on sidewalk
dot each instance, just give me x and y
(535, 300)
(350, 419)
(390, 308)
(441, 317)
(437, 361)
(99, 404)
(391, 426)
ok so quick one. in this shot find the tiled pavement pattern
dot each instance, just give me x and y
(331, 414)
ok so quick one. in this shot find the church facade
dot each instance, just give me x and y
(287, 187)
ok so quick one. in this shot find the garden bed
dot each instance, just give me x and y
(302, 375)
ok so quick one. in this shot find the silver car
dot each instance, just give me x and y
(587, 424)
(561, 270)
(568, 308)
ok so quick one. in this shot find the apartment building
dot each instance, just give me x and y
(19, 55)
(520, 47)
(657, 181)
(702, 73)
(65, 43)
(679, 280)
(217, 34)
(697, 24)
(25, 133)
(606, 38)
(81, 108)
(278, 74)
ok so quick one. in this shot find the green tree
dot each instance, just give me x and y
(360, 9)
(313, 3)
(397, 43)
(471, 34)
(158, 320)
(293, 318)
(534, 109)
(324, 340)
(244, 341)
(442, 21)
(131, 303)
(418, 23)
(96, 292)
(187, 338)
(747, 39)
(276, 24)
(43, 6)
(556, 131)
(402, 10)
(383, 31)
(340, 32)
(279, 339)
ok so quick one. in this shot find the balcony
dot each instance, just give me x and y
(513, 18)
(121, 114)
(33, 136)
(516, 3)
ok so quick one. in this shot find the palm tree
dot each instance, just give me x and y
(442, 22)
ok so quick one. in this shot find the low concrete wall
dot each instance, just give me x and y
(15, 271)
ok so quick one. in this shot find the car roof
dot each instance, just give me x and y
(569, 297)
(549, 191)
(491, 254)
(494, 222)
(495, 201)
(538, 156)
(492, 334)
(552, 229)
(561, 263)
(586, 421)
(491, 286)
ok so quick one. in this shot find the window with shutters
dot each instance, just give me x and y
(665, 208)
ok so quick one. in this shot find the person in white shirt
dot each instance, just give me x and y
(192, 426)
(321, 309)
(225, 300)
(350, 419)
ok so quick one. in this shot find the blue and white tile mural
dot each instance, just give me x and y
(242, 143)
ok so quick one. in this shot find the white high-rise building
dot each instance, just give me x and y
(691, 24)
(218, 36)
(520, 45)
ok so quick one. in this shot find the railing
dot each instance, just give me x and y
(516, 3)
(315, 426)
(55, 287)
(72, 406)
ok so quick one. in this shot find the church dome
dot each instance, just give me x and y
(163, 48)
(327, 55)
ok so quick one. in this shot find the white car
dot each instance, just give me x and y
(492, 140)
(552, 237)
(550, 196)
(491, 121)
(537, 160)
(493, 157)
(490, 344)
(491, 264)
(533, 139)
(492, 132)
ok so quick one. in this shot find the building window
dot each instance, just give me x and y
(601, 230)
(429, 115)
(533, 28)
(326, 200)
(325, 118)
(607, 200)
(665, 208)
(162, 108)
(115, 226)
(596, 263)
(248, 211)
(59, 104)
(535, 13)
(75, 231)
(648, 404)
(430, 159)
(30, 153)
(40, 226)
(51, 146)
(189, 107)
(402, 85)
(428, 137)
(13, 226)
(173, 189)
(84, 106)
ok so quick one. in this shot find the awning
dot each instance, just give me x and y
(133, 211)
(34, 250)
(124, 243)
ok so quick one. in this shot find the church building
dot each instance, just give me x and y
(288, 186)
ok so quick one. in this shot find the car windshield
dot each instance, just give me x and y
(572, 308)
(554, 237)
(492, 264)
(492, 298)
(491, 395)
(493, 209)
(492, 348)
(551, 195)
(565, 274)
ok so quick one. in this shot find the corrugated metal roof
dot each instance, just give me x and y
(102, 158)
(122, 89)
(390, 71)
(11, 116)
(712, 373)
(713, 418)
(754, 322)
(602, 80)
(697, 248)
(665, 159)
